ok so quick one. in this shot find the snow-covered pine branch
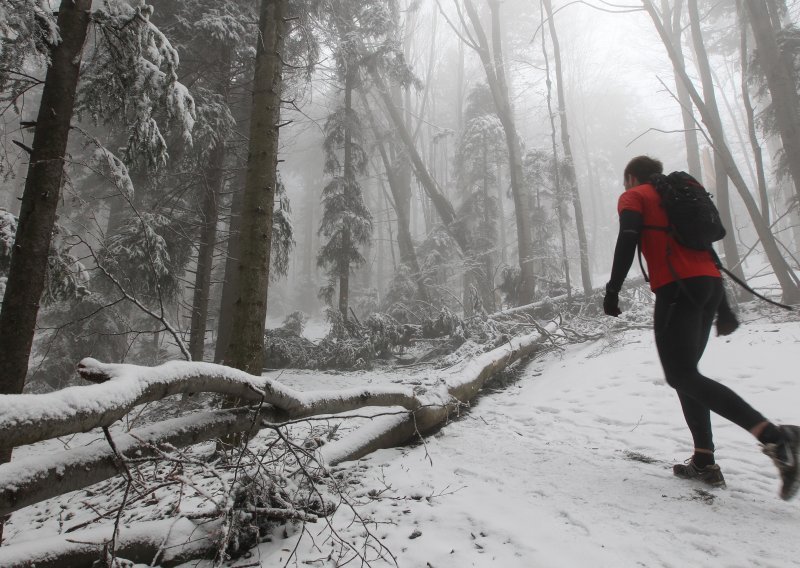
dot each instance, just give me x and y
(132, 77)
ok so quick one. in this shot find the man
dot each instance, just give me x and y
(689, 293)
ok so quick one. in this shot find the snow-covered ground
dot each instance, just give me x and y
(571, 466)
(568, 466)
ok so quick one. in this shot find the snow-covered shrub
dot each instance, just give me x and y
(295, 322)
(400, 295)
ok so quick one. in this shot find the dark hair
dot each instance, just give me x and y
(642, 167)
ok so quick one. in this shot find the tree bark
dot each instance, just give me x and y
(720, 172)
(205, 257)
(27, 481)
(791, 292)
(687, 114)
(569, 163)
(401, 196)
(349, 181)
(495, 73)
(171, 541)
(213, 182)
(26, 279)
(750, 113)
(246, 351)
(781, 83)
(230, 282)
(442, 205)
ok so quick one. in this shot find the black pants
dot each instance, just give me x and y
(683, 317)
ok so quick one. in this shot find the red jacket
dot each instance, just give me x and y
(658, 246)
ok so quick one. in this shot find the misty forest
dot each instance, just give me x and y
(245, 244)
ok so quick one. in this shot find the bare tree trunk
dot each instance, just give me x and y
(790, 290)
(687, 114)
(205, 257)
(751, 122)
(720, 172)
(349, 180)
(557, 172)
(442, 205)
(246, 351)
(230, 283)
(401, 196)
(26, 279)
(781, 82)
(213, 182)
(492, 60)
(569, 165)
(501, 214)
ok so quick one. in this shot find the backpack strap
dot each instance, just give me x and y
(641, 264)
(744, 285)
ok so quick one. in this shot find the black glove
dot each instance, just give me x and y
(611, 303)
(727, 321)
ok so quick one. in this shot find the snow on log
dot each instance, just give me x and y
(167, 542)
(30, 480)
(462, 386)
(26, 481)
(30, 418)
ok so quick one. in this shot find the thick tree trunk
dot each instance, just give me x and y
(720, 172)
(26, 279)
(205, 257)
(782, 86)
(790, 290)
(492, 60)
(570, 180)
(246, 349)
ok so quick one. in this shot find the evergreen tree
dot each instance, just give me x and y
(481, 141)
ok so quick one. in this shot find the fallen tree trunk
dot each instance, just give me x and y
(391, 431)
(30, 418)
(27, 481)
(166, 542)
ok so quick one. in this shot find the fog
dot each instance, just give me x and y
(417, 144)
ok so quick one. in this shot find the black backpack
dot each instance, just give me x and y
(694, 221)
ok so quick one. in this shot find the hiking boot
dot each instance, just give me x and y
(710, 474)
(785, 455)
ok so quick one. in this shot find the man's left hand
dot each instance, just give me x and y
(611, 303)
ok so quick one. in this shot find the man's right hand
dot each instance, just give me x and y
(611, 303)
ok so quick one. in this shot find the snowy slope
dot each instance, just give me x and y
(568, 466)
(571, 466)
